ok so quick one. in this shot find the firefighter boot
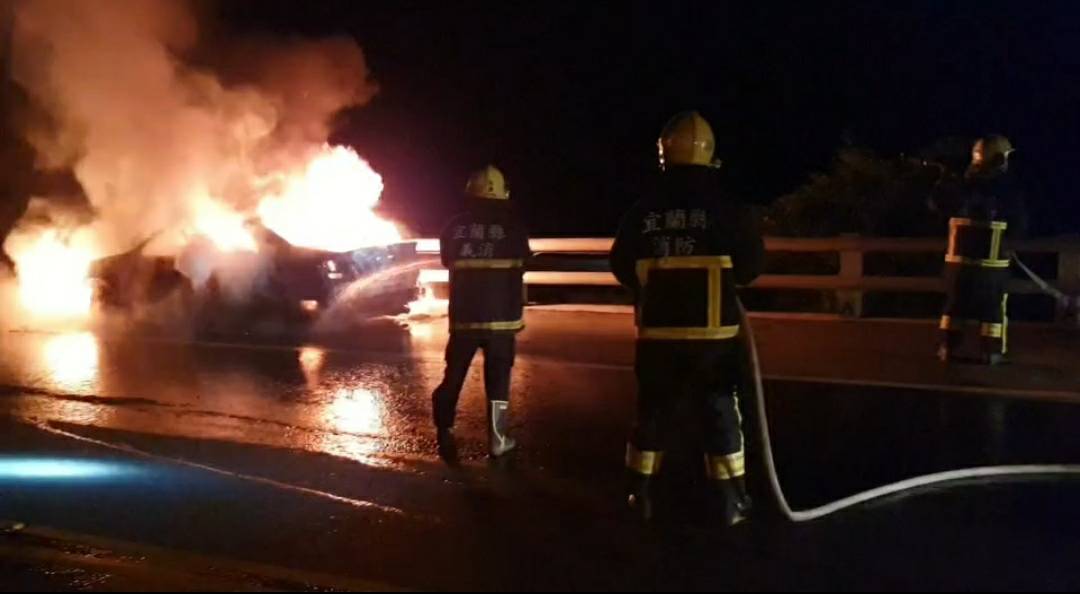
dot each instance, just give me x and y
(447, 445)
(731, 503)
(499, 442)
(994, 350)
(641, 466)
(639, 497)
(948, 346)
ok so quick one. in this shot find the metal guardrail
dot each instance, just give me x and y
(850, 282)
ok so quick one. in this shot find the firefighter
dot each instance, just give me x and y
(974, 325)
(485, 248)
(682, 250)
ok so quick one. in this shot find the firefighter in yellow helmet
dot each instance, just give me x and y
(683, 249)
(485, 248)
(990, 205)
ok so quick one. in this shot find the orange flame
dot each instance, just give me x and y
(53, 275)
(224, 227)
(326, 204)
(329, 204)
(427, 305)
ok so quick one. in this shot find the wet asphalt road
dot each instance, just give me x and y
(320, 458)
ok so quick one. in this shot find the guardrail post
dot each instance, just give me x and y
(1068, 280)
(850, 302)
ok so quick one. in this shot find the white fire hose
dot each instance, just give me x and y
(914, 483)
(1070, 303)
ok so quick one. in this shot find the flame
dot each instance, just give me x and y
(53, 275)
(421, 313)
(427, 305)
(329, 204)
(325, 204)
(430, 276)
(224, 227)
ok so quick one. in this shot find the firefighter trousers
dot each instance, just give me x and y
(498, 347)
(703, 374)
(975, 304)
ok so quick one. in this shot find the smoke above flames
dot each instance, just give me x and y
(168, 137)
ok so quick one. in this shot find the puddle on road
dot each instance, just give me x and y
(307, 398)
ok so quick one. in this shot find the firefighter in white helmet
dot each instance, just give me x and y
(485, 248)
(683, 249)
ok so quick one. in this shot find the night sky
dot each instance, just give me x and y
(568, 98)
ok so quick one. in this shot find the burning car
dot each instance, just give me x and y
(133, 278)
(275, 280)
(295, 240)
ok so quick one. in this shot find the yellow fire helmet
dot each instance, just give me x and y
(488, 183)
(687, 139)
(991, 151)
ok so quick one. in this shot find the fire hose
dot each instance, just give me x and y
(1070, 303)
(981, 473)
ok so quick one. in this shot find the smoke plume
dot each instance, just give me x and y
(154, 141)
